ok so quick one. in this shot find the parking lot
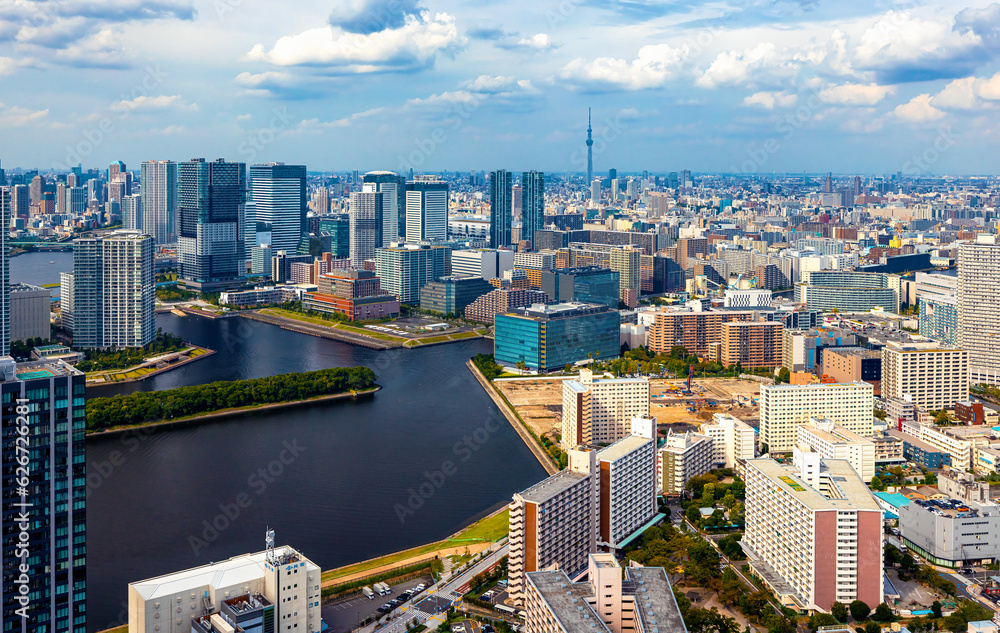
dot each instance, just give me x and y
(345, 615)
(912, 595)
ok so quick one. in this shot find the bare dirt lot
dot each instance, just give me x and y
(538, 402)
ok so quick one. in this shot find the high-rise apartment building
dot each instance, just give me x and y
(426, 210)
(394, 204)
(600, 410)
(20, 201)
(211, 205)
(367, 208)
(406, 268)
(501, 208)
(132, 212)
(113, 291)
(625, 261)
(733, 439)
(278, 192)
(681, 457)
(752, 343)
(274, 591)
(500, 301)
(830, 441)
(5, 211)
(978, 305)
(784, 407)
(813, 533)
(932, 376)
(532, 205)
(695, 331)
(30, 312)
(44, 512)
(487, 263)
(76, 201)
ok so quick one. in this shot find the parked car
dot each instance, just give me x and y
(458, 628)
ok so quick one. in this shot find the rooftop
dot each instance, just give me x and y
(235, 571)
(854, 351)
(557, 483)
(654, 599)
(622, 448)
(855, 494)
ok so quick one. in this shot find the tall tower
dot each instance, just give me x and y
(590, 151)
(278, 192)
(501, 211)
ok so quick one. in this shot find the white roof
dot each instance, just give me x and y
(228, 573)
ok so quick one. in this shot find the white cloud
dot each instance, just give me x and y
(738, 67)
(959, 94)
(347, 121)
(918, 110)
(901, 48)
(7, 65)
(770, 100)
(538, 41)
(160, 102)
(654, 65)
(16, 116)
(414, 45)
(850, 94)
(989, 89)
(169, 130)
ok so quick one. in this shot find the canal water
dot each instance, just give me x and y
(341, 481)
(40, 268)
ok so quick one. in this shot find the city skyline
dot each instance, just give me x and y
(433, 81)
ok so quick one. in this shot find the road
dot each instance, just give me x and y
(437, 598)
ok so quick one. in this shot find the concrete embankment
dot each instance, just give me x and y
(321, 331)
(536, 448)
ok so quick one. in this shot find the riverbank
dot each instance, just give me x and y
(469, 540)
(201, 418)
(322, 331)
(149, 368)
(522, 429)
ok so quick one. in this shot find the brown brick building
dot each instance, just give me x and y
(752, 344)
(694, 330)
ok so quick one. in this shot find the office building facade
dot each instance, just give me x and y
(549, 337)
(393, 217)
(278, 193)
(426, 210)
(407, 268)
(452, 295)
(366, 225)
(584, 285)
(501, 208)
(30, 312)
(356, 294)
(44, 401)
(533, 205)
(211, 210)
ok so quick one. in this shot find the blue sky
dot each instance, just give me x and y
(728, 85)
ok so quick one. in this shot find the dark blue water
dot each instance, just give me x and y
(34, 268)
(331, 479)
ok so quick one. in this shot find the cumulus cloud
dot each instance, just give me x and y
(412, 46)
(307, 125)
(499, 89)
(654, 65)
(747, 66)
(275, 84)
(16, 116)
(901, 48)
(918, 110)
(851, 94)
(538, 42)
(770, 100)
(968, 93)
(160, 102)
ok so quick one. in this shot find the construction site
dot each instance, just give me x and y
(678, 405)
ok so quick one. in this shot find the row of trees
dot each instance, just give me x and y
(141, 407)
(487, 366)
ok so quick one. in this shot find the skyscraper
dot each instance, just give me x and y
(426, 210)
(366, 224)
(590, 150)
(44, 556)
(393, 215)
(501, 208)
(113, 291)
(533, 205)
(37, 189)
(595, 192)
(115, 168)
(5, 208)
(278, 192)
(132, 212)
(159, 200)
(20, 201)
(211, 199)
(978, 305)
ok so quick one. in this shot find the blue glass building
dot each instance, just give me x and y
(939, 319)
(44, 511)
(585, 284)
(547, 337)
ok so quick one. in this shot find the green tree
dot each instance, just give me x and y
(936, 608)
(859, 610)
(709, 621)
(879, 413)
(784, 376)
(883, 613)
(873, 627)
(821, 619)
(839, 611)
(692, 514)
(876, 483)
